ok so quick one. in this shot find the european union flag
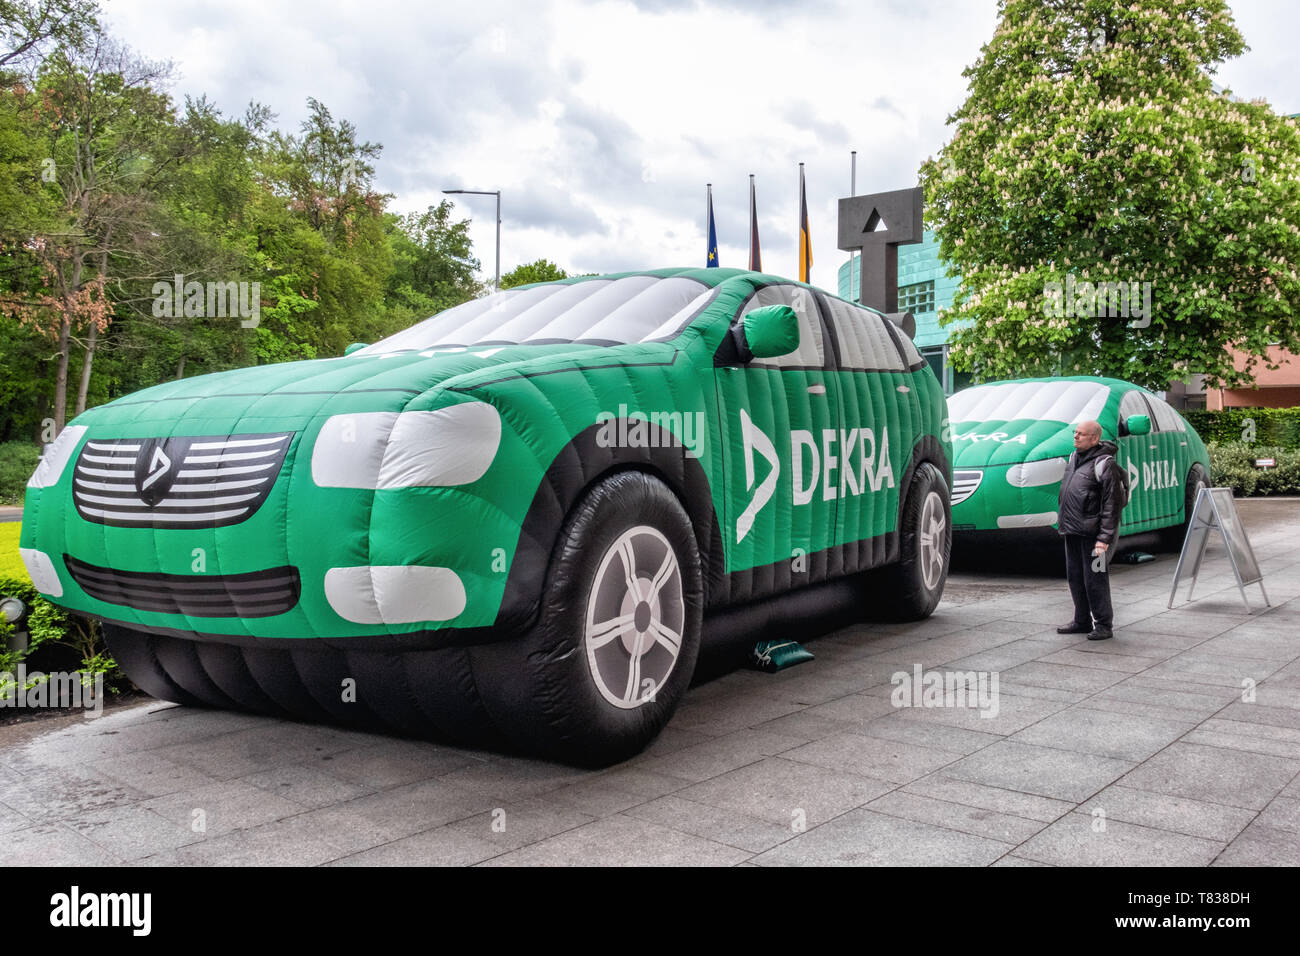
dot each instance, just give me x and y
(712, 260)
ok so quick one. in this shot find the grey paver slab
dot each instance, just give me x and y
(218, 808)
(622, 841)
(444, 846)
(866, 838)
(1080, 839)
(1046, 771)
(1214, 774)
(1260, 845)
(307, 786)
(1097, 732)
(733, 828)
(1004, 827)
(520, 823)
(1210, 821)
(131, 832)
(52, 844)
(779, 790)
(392, 763)
(997, 799)
(875, 757)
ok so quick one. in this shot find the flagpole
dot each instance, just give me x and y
(755, 261)
(709, 240)
(853, 191)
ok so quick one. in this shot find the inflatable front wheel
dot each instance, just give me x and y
(615, 646)
(911, 589)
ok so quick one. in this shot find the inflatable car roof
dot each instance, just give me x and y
(1029, 419)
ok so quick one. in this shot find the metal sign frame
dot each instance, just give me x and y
(1215, 508)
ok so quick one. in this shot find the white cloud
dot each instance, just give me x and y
(601, 122)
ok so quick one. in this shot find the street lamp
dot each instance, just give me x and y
(486, 192)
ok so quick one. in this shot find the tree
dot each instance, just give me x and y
(1094, 165)
(105, 133)
(29, 30)
(543, 270)
(434, 262)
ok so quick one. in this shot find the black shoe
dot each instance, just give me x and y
(1101, 634)
(1074, 628)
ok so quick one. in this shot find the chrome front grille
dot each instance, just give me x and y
(178, 482)
(964, 484)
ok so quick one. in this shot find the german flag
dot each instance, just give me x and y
(805, 240)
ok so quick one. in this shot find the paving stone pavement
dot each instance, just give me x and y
(1176, 743)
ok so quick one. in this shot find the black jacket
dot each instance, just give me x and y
(1088, 506)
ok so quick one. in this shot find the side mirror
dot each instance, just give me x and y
(1138, 424)
(770, 332)
(354, 347)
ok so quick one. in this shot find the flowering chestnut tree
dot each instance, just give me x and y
(1109, 211)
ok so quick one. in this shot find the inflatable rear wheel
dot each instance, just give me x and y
(615, 646)
(911, 589)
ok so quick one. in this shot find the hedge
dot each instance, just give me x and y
(1277, 427)
(1232, 465)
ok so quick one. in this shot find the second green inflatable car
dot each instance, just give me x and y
(504, 525)
(1011, 441)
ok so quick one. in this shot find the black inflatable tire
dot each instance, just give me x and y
(542, 690)
(1172, 538)
(180, 660)
(899, 592)
(225, 665)
(134, 653)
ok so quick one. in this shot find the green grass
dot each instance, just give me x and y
(11, 565)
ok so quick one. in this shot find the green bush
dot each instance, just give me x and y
(17, 462)
(46, 624)
(1232, 465)
(1260, 426)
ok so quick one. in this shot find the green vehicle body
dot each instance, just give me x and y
(511, 435)
(1011, 440)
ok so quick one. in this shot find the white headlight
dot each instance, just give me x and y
(57, 455)
(448, 446)
(1033, 473)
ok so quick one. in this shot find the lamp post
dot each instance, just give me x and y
(486, 192)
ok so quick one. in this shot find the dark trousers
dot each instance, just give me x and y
(1090, 588)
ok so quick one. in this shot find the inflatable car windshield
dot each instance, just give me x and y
(502, 526)
(1012, 439)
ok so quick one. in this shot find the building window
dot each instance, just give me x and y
(934, 357)
(918, 297)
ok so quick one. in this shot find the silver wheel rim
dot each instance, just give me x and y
(635, 614)
(934, 523)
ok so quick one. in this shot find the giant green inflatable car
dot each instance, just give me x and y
(1012, 439)
(503, 526)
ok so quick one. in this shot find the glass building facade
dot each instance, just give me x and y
(925, 289)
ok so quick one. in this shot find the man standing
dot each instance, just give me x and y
(1089, 514)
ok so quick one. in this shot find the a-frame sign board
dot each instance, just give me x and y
(1215, 510)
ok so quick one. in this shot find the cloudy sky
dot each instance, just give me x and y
(602, 121)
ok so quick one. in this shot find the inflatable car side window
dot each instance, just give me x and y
(513, 524)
